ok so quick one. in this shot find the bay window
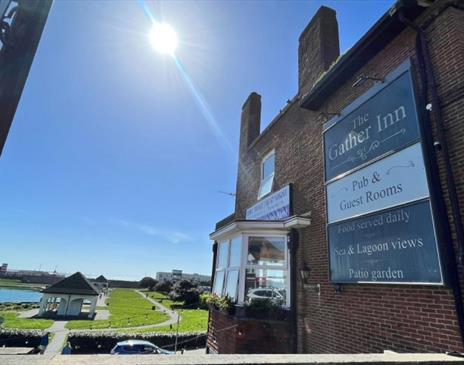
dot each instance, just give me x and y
(250, 267)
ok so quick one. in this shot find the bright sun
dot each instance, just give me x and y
(163, 38)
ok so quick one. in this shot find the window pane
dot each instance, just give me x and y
(232, 283)
(218, 282)
(266, 251)
(235, 251)
(266, 284)
(268, 166)
(223, 254)
(266, 186)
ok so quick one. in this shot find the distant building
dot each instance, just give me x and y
(176, 275)
(31, 276)
(101, 283)
(66, 298)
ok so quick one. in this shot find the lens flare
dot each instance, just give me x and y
(163, 38)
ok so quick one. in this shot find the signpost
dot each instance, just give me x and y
(380, 219)
(272, 208)
(395, 245)
(386, 122)
(396, 179)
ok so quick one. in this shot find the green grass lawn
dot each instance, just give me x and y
(163, 299)
(193, 320)
(10, 320)
(127, 309)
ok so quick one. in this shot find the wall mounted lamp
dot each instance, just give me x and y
(305, 272)
(362, 78)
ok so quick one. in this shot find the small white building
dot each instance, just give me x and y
(66, 297)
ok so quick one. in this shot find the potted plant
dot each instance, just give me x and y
(222, 304)
(265, 309)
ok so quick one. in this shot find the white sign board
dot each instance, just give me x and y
(394, 180)
(273, 208)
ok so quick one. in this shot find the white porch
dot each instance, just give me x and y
(67, 305)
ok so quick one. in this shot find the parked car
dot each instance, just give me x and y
(138, 347)
(274, 295)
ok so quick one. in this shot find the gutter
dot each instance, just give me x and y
(293, 238)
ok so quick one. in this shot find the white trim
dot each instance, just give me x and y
(270, 227)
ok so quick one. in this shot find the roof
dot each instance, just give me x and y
(381, 33)
(77, 283)
(101, 279)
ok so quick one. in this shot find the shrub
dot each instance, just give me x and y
(20, 338)
(220, 303)
(103, 342)
(185, 291)
(148, 282)
(265, 308)
(163, 287)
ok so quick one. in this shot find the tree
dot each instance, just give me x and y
(185, 291)
(148, 282)
(164, 287)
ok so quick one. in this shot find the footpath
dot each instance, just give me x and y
(60, 334)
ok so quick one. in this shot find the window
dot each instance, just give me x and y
(228, 268)
(267, 175)
(266, 251)
(266, 269)
(218, 282)
(258, 265)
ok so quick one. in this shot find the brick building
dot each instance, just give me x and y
(395, 281)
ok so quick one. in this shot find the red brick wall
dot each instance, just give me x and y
(363, 318)
(230, 335)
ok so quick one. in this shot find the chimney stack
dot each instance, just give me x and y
(250, 122)
(319, 48)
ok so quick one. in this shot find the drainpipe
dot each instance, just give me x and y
(428, 82)
(293, 241)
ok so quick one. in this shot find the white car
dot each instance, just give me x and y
(138, 347)
(275, 295)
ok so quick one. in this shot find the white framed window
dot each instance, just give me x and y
(267, 174)
(228, 262)
(266, 269)
(250, 267)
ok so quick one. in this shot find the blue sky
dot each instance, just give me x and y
(111, 166)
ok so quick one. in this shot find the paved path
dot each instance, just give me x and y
(101, 314)
(101, 301)
(29, 313)
(60, 333)
(173, 316)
